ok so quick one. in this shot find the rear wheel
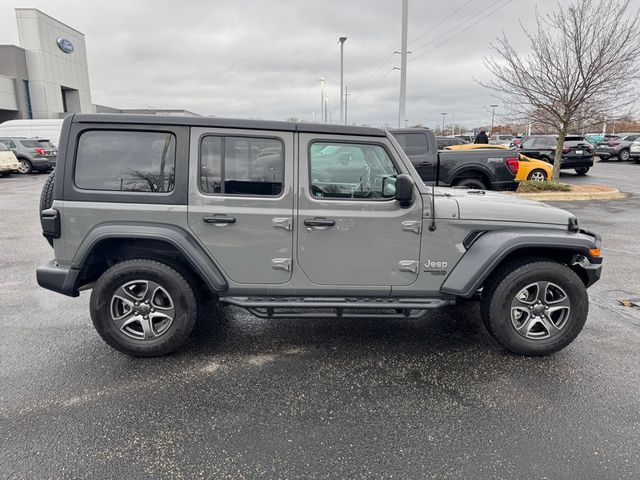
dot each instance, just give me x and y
(537, 175)
(143, 308)
(537, 308)
(624, 155)
(472, 183)
(24, 166)
(582, 170)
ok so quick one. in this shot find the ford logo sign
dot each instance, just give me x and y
(65, 45)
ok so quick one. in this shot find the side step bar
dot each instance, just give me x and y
(404, 307)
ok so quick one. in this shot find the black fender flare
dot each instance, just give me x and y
(195, 255)
(490, 248)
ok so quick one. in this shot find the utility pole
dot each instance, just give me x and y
(341, 41)
(326, 103)
(444, 114)
(403, 63)
(346, 89)
(493, 116)
(322, 120)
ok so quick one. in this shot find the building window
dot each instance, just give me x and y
(27, 98)
(116, 160)
(241, 165)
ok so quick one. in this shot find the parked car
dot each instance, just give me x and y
(466, 138)
(448, 141)
(8, 161)
(634, 150)
(577, 153)
(501, 140)
(36, 128)
(37, 154)
(528, 169)
(517, 141)
(486, 169)
(594, 138)
(617, 147)
(163, 217)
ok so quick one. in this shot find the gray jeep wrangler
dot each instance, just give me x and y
(161, 215)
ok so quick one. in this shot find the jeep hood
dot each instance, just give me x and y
(501, 207)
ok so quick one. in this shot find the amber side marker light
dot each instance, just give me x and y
(595, 252)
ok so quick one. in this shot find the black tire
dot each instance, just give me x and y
(25, 166)
(173, 284)
(582, 170)
(501, 290)
(46, 195)
(471, 183)
(536, 173)
(624, 155)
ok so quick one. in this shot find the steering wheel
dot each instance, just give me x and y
(365, 179)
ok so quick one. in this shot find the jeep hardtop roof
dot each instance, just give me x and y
(227, 123)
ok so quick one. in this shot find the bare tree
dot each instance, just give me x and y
(582, 63)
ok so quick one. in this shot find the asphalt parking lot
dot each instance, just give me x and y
(251, 398)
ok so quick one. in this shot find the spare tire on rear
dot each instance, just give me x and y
(46, 196)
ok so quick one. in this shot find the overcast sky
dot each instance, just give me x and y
(264, 59)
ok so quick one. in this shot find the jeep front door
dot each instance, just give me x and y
(241, 201)
(350, 229)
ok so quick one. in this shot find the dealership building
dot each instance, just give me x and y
(46, 76)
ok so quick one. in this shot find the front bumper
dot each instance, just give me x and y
(9, 167)
(58, 278)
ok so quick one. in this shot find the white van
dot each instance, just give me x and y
(49, 129)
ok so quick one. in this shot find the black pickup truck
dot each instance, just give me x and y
(490, 169)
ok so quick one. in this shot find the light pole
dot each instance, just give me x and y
(322, 120)
(403, 63)
(341, 41)
(493, 116)
(444, 114)
(346, 95)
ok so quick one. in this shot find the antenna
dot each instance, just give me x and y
(432, 226)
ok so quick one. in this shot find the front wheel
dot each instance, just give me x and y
(624, 155)
(143, 308)
(24, 166)
(582, 170)
(536, 309)
(537, 175)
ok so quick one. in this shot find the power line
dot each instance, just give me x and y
(439, 23)
(429, 42)
(463, 30)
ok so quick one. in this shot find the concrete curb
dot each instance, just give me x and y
(611, 194)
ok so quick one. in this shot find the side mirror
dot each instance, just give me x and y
(404, 189)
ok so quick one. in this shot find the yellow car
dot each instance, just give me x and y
(528, 169)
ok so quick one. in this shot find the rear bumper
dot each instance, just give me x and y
(576, 162)
(9, 167)
(58, 279)
(510, 185)
(606, 152)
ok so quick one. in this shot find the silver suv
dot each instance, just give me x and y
(159, 215)
(33, 154)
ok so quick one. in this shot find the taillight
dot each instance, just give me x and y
(39, 150)
(512, 165)
(566, 150)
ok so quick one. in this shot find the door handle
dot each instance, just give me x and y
(319, 222)
(218, 219)
(426, 164)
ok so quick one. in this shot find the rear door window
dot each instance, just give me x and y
(413, 144)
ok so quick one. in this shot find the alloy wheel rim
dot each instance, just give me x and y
(624, 155)
(540, 310)
(538, 177)
(23, 167)
(142, 309)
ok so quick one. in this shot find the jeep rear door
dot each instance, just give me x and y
(350, 229)
(241, 201)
